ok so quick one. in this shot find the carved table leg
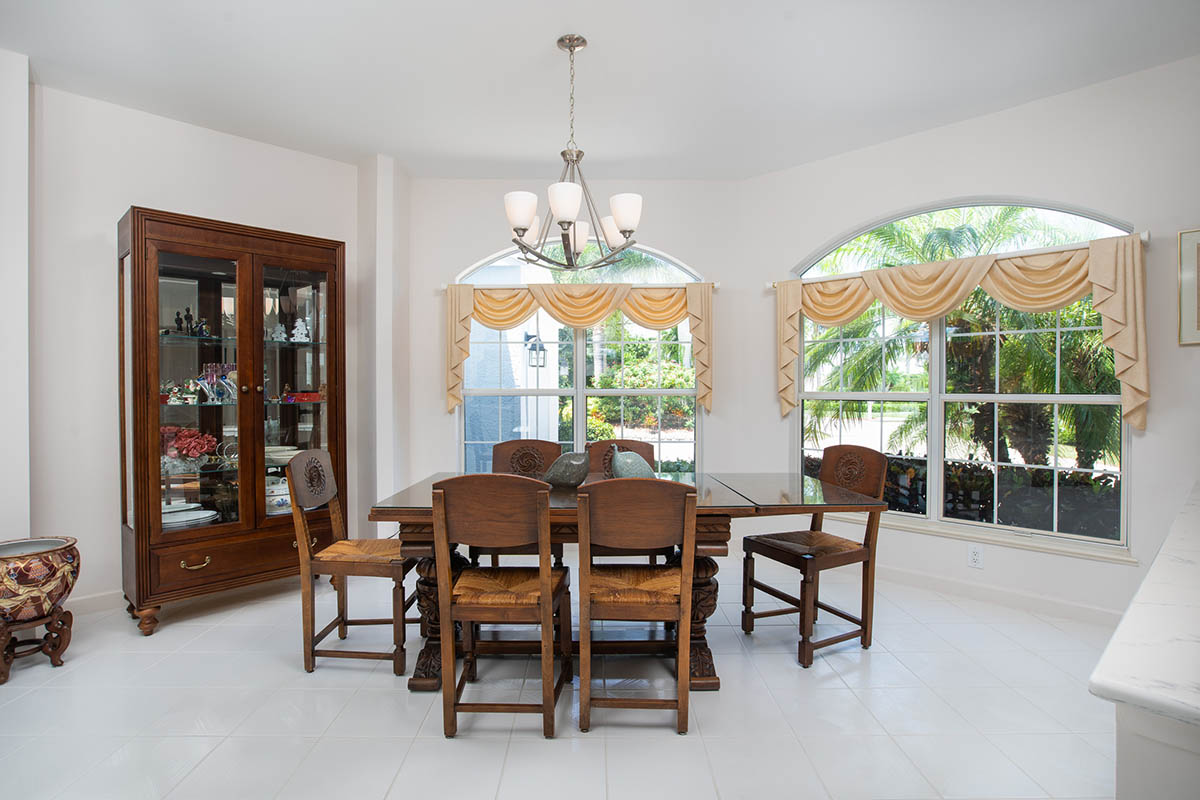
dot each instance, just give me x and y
(147, 619)
(8, 646)
(704, 605)
(427, 674)
(58, 636)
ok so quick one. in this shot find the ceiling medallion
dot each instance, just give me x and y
(614, 233)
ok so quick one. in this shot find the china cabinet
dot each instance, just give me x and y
(232, 358)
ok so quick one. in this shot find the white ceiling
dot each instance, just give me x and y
(701, 89)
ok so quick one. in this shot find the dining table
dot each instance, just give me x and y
(721, 497)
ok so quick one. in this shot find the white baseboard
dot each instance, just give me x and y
(93, 603)
(1027, 601)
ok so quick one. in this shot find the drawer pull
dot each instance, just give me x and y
(297, 547)
(207, 561)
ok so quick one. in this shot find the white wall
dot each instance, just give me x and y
(14, 300)
(1126, 148)
(91, 161)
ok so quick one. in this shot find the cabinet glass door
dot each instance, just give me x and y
(296, 352)
(198, 391)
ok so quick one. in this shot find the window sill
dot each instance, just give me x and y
(1110, 553)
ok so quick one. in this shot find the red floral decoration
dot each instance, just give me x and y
(185, 442)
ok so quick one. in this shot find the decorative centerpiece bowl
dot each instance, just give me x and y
(36, 577)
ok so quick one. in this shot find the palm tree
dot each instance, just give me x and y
(1027, 361)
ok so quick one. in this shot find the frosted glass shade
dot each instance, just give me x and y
(520, 207)
(626, 210)
(579, 236)
(565, 199)
(612, 234)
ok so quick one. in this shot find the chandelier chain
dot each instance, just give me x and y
(571, 141)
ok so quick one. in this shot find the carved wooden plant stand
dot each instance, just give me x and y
(54, 643)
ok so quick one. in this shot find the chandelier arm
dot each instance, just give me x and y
(534, 256)
(591, 209)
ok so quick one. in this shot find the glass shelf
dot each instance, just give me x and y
(197, 475)
(289, 343)
(293, 402)
(195, 405)
(183, 338)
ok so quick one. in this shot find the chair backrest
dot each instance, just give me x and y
(311, 484)
(530, 457)
(634, 514)
(859, 469)
(505, 511)
(600, 453)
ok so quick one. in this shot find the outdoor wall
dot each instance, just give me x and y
(1125, 148)
(14, 300)
(91, 161)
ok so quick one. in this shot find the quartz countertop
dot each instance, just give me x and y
(1153, 658)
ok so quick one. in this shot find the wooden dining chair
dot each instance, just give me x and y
(528, 457)
(859, 469)
(628, 515)
(531, 458)
(600, 453)
(502, 511)
(311, 485)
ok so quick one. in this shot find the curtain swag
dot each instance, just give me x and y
(578, 305)
(1111, 269)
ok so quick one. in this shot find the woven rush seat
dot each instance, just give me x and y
(635, 583)
(806, 544)
(384, 550)
(504, 586)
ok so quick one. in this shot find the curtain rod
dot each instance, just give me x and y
(715, 284)
(1144, 235)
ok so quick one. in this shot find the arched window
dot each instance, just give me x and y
(989, 415)
(532, 382)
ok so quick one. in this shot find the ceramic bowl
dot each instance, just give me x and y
(36, 576)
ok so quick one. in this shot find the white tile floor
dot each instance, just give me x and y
(957, 698)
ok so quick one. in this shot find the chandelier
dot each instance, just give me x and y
(567, 199)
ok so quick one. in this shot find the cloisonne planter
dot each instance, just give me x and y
(36, 577)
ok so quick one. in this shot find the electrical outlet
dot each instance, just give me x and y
(975, 555)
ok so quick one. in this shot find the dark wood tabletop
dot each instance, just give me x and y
(729, 494)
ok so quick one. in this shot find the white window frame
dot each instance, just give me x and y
(580, 392)
(1075, 545)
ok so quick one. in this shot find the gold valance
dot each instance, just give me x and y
(578, 305)
(1111, 269)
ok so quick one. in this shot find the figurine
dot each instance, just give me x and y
(187, 318)
(202, 328)
(300, 331)
(279, 333)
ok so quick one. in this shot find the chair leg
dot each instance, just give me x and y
(683, 673)
(585, 665)
(495, 559)
(339, 584)
(868, 601)
(449, 684)
(398, 632)
(547, 631)
(808, 605)
(564, 635)
(470, 668)
(748, 593)
(309, 629)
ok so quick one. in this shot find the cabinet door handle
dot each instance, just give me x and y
(296, 546)
(258, 389)
(245, 390)
(207, 561)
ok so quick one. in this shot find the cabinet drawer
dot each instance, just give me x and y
(215, 560)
